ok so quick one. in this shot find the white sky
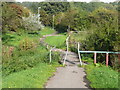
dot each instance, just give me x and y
(67, 0)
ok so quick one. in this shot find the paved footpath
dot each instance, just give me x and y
(70, 76)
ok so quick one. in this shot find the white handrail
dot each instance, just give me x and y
(67, 44)
(79, 54)
(50, 55)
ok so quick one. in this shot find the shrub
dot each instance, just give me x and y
(26, 44)
(23, 59)
(31, 23)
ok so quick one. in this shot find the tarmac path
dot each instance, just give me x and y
(70, 76)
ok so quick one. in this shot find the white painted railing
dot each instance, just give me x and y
(95, 54)
(67, 44)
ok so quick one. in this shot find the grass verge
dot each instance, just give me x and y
(31, 78)
(102, 76)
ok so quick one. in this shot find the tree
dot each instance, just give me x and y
(12, 16)
(31, 23)
(10, 20)
(105, 35)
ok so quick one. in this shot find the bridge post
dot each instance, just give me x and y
(95, 54)
(107, 57)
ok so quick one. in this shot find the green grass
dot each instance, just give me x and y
(14, 38)
(47, 31)
(26, 54)
(19, 69)
(58, 41)
(102, 76)
(87, 58)
(30, 78)
(23, 59)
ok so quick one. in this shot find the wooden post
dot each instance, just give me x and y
(95, 54)
(79, 54)
(107, 57)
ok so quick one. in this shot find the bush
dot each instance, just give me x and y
(26, 44)
(23, 59)
(31, 23)
(56, 57)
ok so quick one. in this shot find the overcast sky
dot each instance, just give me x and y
(67, 0)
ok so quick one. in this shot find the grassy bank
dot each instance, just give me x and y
(25, 61)
(102, 76)
(31, 78)
(58, 41)
(14, 38)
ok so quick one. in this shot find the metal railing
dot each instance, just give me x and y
(95, 54)
(67, 44)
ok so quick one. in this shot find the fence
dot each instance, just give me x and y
(95, 54)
